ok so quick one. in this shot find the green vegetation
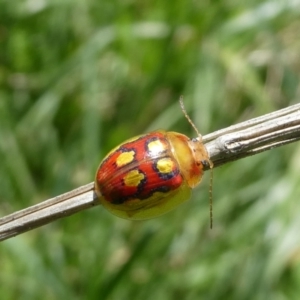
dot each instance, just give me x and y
(79, 77)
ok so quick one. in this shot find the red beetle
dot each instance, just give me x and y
(150, 174)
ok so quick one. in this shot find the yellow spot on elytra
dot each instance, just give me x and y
(133, 178)
(165, 165)
(156, 146)
(125, 158)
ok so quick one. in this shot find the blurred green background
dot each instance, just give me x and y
(79, 77)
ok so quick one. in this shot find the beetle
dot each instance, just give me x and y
(150, 174)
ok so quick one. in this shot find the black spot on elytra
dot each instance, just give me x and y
(162, 189)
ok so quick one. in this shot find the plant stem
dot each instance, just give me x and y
(232, 143)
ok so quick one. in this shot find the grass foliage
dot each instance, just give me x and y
(78, 77)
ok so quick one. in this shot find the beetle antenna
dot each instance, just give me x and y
(211, 198)
(188, 118)
(211, 165)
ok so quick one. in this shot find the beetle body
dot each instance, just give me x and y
(150, 174)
